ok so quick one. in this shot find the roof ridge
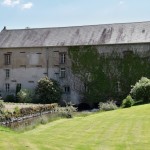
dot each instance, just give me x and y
(105, 24)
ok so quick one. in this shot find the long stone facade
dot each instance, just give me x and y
(23, 61)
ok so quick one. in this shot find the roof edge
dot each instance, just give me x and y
(28, 28)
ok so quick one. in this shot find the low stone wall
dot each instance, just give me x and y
(20, 119)
(22, 114)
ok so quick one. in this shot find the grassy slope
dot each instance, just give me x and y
(124, 129)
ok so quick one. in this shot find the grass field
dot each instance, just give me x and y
(123, 129)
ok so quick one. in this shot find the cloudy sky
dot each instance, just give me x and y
(51, 13)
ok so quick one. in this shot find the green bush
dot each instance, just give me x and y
(10, 98)
(66, 112)
(2, 106)
(141, 90)
(16, 112)
(127, 102)
(25, 96)
(48, 91)
(110, 105)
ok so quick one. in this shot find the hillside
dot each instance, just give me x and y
(123, 129)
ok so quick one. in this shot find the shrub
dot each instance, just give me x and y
(110, 105)
(66, 112)
(16, 112)
(44, 120)
(48, 91)
(141, 90)
(2, 106)
(25, 96)
(127, 102)
(10, 98)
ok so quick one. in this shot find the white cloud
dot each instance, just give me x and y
(121, 2)
(27, 5)
(11, 3)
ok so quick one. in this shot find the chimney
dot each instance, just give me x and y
(4, 28)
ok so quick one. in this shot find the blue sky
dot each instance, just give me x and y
(51, 13)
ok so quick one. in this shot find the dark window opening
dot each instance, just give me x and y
(62, 58)
(31, 81)
(66, 89)
(7, 87)
(62, 72)
(7, 73)
(18, 88)
(7, 59)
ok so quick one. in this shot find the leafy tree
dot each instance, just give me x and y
(25, 96)
(141, 90)
(48, 91)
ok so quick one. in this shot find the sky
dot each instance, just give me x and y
(19, 14)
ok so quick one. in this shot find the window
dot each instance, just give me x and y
(62, 58)
(7, 87)
(67, 89)
(7, 59)
(7, 73)
(62, 72)
(18, 87)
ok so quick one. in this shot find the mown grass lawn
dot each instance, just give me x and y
(123, 129)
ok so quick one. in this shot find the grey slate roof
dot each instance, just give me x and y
(79, 35)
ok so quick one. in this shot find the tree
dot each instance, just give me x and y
(25, 96)
(141, 90)
(48, 91)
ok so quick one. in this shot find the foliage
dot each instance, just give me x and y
(107, 106)
(141, 90)
(18, 88)
(28, 111)
(16, 112)
(10, 98)
(87, 67)
(38, 109)
(48, 91)
(25, 96)
(106, 76)
(127, 102)
(67, 111)
(2, 106)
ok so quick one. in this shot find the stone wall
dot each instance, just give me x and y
(28, 65)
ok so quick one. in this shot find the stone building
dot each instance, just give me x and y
(26, 55)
